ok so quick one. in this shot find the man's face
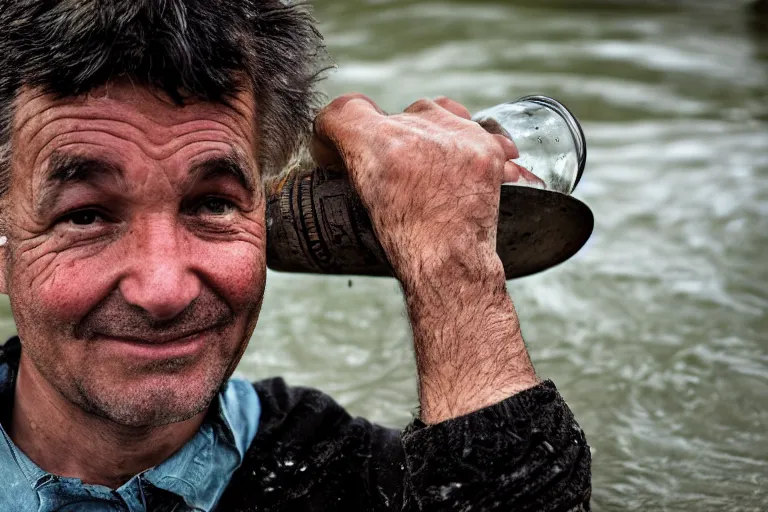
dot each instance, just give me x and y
(136, 256)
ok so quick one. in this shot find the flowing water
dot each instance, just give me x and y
(656, 332)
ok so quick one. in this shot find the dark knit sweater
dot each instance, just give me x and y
(524, 454)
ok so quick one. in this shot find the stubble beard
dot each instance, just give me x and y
(145, 406)
(153, 394)
(160, 392)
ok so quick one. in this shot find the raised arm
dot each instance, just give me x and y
(430, 179)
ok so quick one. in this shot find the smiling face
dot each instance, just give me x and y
(135, 261)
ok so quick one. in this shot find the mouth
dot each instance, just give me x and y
(158, 339)
(170, 346)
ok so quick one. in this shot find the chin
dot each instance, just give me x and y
(134, 389)
(152, 400)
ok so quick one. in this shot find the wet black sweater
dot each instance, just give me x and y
(523, 454)
(526, 453)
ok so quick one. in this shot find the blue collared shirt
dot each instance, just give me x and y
(198, 473)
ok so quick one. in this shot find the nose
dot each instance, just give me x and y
(160, 279)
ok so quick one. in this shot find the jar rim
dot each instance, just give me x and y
(573, 125)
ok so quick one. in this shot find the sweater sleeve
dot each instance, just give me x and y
(526, 453)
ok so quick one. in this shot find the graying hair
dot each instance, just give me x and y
(186, 48)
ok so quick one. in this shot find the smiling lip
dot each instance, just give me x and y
(161, 347)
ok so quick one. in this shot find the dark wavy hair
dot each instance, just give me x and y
(187, 48)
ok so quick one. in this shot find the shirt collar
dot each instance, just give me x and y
(198, 473)
(195, 472)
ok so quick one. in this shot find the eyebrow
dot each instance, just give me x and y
(65, 168)
(232, 164)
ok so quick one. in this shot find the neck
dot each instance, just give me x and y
(67, 441)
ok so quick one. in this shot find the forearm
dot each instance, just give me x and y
(469, 349)
(430, 180)
(493, 437)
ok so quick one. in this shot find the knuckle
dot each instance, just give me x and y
(345, 102)
(342, 100)
(421, 105)
(345, 112)
(453, 107)
(486, 160)
(446, 102)
(482, 161)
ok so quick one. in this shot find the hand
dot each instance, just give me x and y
(430, 179)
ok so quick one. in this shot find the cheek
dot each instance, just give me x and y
(64, 287)
(235, 270)
(61, 287)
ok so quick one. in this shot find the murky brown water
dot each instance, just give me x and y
(656, 333)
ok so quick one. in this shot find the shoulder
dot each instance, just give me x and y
(310, 454)
(278, 398)
(304, 415)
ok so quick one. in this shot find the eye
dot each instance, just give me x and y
(215, 206)
(83, 217)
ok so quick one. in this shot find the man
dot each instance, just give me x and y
(135, 136)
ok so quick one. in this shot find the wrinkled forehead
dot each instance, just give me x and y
(121, 118)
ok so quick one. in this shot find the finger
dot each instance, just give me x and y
(454, 107)
(519, 175)
(510, 150)
(491, 125)
(341, 122)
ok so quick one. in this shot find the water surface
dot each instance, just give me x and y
(656, 333)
